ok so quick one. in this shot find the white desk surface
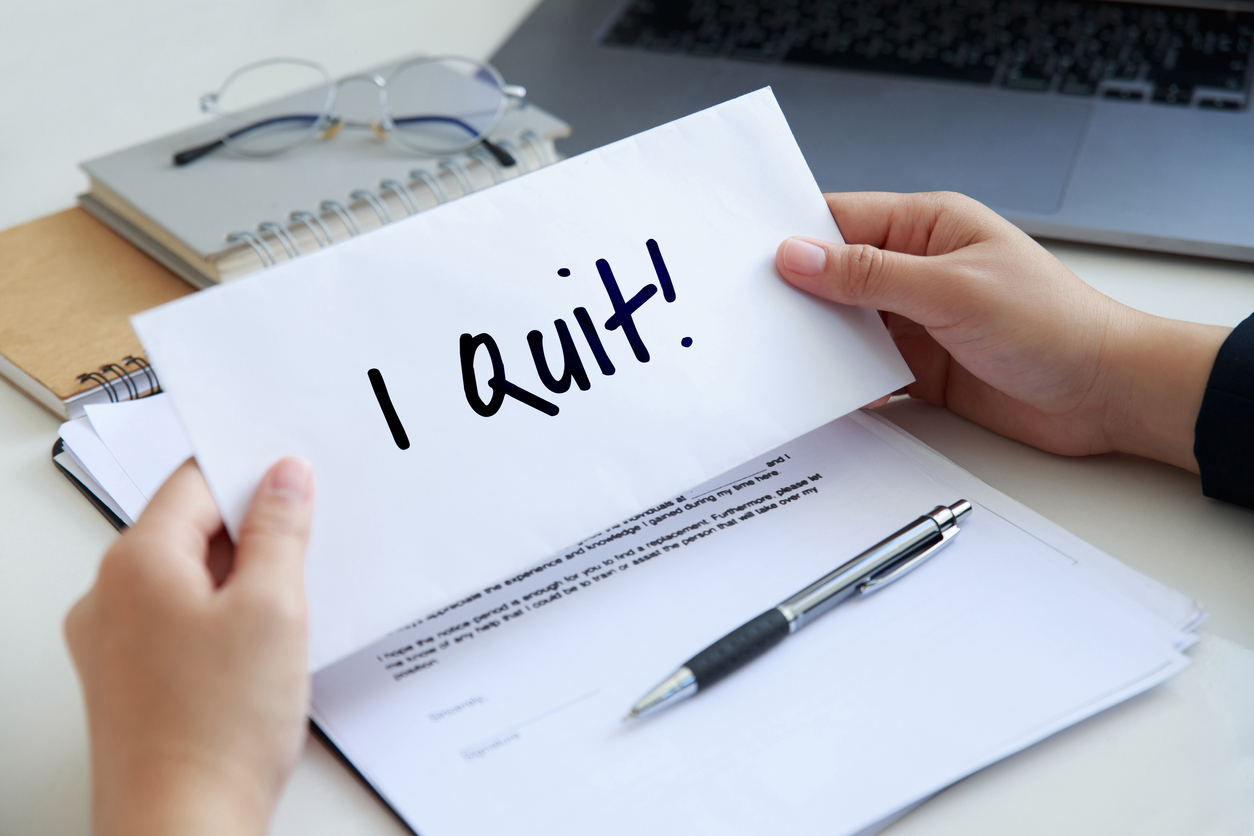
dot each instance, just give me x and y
(84, 78)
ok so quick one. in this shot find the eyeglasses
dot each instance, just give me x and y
(436, 106)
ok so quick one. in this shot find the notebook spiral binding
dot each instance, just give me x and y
(116, 383)
(274, 242)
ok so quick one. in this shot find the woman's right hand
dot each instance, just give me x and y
(192, 656)
(999, 331)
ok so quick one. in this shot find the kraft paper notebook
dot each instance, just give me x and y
(68, 286)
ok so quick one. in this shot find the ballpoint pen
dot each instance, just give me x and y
(877, 567)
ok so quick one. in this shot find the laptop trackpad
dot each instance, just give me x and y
(1010, 150)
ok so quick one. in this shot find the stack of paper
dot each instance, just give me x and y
(121, 453)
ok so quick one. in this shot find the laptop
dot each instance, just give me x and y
(1103, 122)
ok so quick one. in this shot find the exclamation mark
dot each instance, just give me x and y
(664, 279)
(659, 267)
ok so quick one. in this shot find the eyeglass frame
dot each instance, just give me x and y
(327, 123)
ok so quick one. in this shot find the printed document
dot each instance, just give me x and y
(502, 711)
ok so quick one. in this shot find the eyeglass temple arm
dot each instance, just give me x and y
(189, 155)
(505, 158)
(192, 154)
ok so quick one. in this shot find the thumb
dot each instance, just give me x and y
(866, 276)
(272, 540)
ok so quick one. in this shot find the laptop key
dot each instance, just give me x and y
(1018, 80)
(1173, 94)
(1219, 104)
(1075, 87)
(1030, 73)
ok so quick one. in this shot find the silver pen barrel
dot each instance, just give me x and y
(847, 580)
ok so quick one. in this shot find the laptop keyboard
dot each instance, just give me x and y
(1165, 55)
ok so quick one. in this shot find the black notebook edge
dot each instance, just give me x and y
(104, 509)
(321, 735)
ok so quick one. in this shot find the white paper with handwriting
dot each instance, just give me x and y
(738, 363)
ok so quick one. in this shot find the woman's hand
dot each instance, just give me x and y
(192, 659)
(999, 331)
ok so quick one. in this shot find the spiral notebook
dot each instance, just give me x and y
(67, 287)
(226, 216)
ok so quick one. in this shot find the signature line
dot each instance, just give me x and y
(491, 738)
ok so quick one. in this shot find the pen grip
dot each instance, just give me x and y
(746, 642)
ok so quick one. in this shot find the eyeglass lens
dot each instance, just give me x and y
(443, 105)
(274, 106)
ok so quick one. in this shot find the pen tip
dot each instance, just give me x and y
(631, 715)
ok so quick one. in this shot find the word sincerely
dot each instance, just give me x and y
(573, 368)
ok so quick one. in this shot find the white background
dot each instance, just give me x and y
(84, 78)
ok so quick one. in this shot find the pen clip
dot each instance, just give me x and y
(883, 578)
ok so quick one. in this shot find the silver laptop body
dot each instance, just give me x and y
(1131, 162)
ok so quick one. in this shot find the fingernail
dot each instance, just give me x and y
(292, 478)
(804, 258)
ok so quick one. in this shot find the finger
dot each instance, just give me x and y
(182, 515)
(220, 559)
(869, 217)
(76, 628)
(905, 223)
(270, 549)
(929, 363)
(920, 288)
(80, 638)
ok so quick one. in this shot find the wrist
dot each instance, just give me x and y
(1159, 369)
(173, 797)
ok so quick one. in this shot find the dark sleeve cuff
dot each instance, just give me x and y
(1223, 438)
